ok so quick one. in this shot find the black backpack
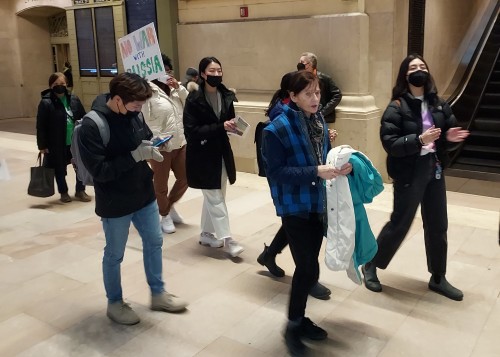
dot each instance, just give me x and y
(259, 129)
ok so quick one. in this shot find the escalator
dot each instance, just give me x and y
(476, 104)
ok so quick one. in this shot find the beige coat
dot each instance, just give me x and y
(163, 114)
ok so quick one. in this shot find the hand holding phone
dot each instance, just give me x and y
(162, 141)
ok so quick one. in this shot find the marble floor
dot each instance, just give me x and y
(52, 300)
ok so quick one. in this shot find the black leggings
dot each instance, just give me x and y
(279, 242)
(305, 236)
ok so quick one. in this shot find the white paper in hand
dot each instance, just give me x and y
(241, 126)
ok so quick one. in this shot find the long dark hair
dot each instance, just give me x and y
(281, 93)
(401, 86)
(164, 87)
(204, 64)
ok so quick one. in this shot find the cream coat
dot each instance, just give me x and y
(163, 114)
(350, 240)
(341, 231)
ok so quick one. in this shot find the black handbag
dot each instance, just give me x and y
(41, 181)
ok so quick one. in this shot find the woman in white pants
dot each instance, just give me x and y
(208, 117)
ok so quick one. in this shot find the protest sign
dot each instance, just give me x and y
(141, 53)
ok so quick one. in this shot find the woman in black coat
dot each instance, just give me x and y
(415, 130)
(57, 113)
(208, 118)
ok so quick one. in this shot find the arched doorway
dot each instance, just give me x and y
(40, 46)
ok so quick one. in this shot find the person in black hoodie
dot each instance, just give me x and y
(415, 130)
(208, 118)
(57, 113)
(123, 183)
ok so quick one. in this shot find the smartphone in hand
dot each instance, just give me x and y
(162, 141)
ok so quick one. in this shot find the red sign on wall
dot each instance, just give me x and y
(244, 11)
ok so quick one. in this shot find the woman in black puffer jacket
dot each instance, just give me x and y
(415, 130)
(57, 113)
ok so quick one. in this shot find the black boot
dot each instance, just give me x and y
(293, 340)
(320, 291)
(439, 284)
(370, 277)
(270, 262)
(312, 331)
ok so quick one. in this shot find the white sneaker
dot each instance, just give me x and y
(232, 247)
(167, 225)
(209, 239)
(176, 217)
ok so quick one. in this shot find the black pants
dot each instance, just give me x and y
(305, 236)
(430, 192)
(279, 242)
(60, 172)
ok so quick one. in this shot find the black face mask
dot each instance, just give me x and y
(129, 114)
(418, 78)
(214, 81)
(60, 89)
(301, 66)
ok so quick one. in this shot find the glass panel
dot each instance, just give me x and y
(140, 13)
(85, 43)
(106, 46)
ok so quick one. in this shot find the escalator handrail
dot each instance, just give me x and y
(458, 147)
(455, 96)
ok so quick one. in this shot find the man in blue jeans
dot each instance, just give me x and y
(124, 191)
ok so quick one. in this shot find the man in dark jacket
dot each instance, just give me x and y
(330, 93)
(124, 191)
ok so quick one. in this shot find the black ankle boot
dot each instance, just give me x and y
(370, 277)
(270, 263)
(440, 285)
(293, 340)
(312, 331)
(319, 291)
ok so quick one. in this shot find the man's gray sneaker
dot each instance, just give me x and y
(122, 313)
(167, 302)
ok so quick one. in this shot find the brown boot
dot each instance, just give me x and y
(65, 198)
(82, 196)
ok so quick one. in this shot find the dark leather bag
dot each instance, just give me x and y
(41, 181)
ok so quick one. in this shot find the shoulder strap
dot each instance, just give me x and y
(102, 125)
(140, 116)
(401, 103)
